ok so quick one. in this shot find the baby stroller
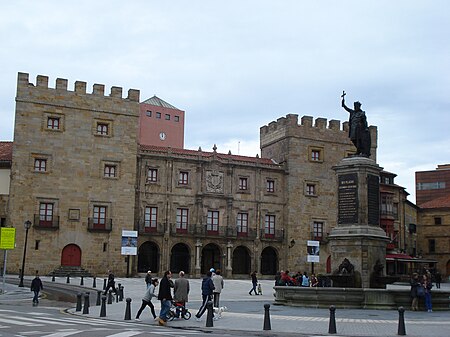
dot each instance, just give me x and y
(178, 309)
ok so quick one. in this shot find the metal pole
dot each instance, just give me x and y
(23, 260)
(5, 254)
(128, 266)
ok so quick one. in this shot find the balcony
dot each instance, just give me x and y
(277, 235)
(157, 230)
(51, 224)
(99, 227)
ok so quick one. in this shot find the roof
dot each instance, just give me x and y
(156, 101)
(442, 202)
(204, 154)
(6, 151)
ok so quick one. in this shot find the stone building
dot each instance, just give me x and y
(5, 172)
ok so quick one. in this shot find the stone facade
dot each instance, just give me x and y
(73, 174)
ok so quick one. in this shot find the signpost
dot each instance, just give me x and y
(7, 241)
(313, 250)
(129, 245)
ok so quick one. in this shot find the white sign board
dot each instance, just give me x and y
(313, 248)
(129, 242)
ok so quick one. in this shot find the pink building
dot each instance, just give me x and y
(161, 124)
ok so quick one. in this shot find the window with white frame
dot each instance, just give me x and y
(99, 216)
(269, 225)
(212, 221)
(45, 214)
(151, 217)
(183, 178)
(110, 171)
(242, 223)
(182, 218)
(40, 164)
(53, 123)
(152, 175)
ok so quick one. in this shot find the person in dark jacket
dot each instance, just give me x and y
(148, 279)
(207, 292)
(415, 283)
(165, 296)
(111, 283)
(36, 287)
(254, 283)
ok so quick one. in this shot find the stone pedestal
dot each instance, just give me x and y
(358, 236)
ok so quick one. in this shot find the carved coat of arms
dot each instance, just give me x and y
(214, 181)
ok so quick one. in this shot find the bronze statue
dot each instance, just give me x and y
(358, 129)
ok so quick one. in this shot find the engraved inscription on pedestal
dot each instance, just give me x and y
(214, 181)
(373, 199)
(348, 199)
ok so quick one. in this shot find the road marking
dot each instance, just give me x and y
(47, 320)
(10, 321)
(63, 333)
(126, 334)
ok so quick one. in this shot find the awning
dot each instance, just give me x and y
(407, 258)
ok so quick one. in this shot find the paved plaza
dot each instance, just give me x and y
(246, 313)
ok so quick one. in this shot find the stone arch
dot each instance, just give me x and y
(269, 261)
(148, 257)
(71, 256)
(241, 262)
(211, 258)
(180, 258)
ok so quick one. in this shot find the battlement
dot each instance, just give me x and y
(291, 120)
(79, 87)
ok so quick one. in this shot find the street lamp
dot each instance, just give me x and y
(27, 225)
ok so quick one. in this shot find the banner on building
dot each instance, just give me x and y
(129, 242)
(313, 250)
(7, 238)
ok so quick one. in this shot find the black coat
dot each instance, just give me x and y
(164, 289)
(36, 284)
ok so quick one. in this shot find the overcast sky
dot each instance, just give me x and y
(235, 66)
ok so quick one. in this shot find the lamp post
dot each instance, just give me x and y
(27, 225)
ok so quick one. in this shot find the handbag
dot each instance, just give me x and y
(420, 291)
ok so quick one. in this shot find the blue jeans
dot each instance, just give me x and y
(428, 301)
(165, 307)
(36, 296)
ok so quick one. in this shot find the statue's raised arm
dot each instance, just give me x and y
(358, 128)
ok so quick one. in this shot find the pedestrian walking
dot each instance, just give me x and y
(148, 279)
(181, 291)
(438, 279)
(254, 283)
(207, 291)
(36, 287)
(165, 296)
(416, 291)
(427, 285)
(147, 299)
(218, 286)
(111, 283)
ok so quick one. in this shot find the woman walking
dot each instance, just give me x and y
(147, 299)
(254, 283)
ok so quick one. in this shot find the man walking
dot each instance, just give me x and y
(148, 279)
(207, 291)
(111, 283)
(181, 291)
(36, 287)
(165, 296)
(218, 286)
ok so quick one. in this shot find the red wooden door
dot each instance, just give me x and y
(71, 256)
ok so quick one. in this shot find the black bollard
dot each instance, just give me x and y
(68, 278)
(82, 281)
(110, 297)
(94, 284)
(103, 308)
(78, 308)
(121, 293)
(53, 278)
(401, 322)
(332, 325)
(117, 296)
(99, 297)
(104, 284)
(88, 298)
(267, 325)
(128, 310)
(209, 315)
(86, 304)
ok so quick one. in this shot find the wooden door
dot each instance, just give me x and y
(71, 256)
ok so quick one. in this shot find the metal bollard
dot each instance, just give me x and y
(99, 297)
(128, 310)
(209, 315)
(53, 278)
(401, 322)
(332, 325)
(267, 325)
(121, 293)
(104, 284)
(117, 296)
(86, 304)
(103, 308)
(82, 281)
(68, 278)
(94, 283)
(110, 297)
(88, 298)
(78, 308)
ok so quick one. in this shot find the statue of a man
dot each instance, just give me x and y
(358, 129)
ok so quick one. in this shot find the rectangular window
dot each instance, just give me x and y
(432, 246)
(269, 226)
(317, 233)
(270, 186)
(176, 118)
(315, 155)
(183, 178)
(431, 186)
(152, 175)
(242, 224)
(310, 189)
(243, 184)
(53, 123)
(40, 165)
(102, 129)
(212, 221)
(182, 219)
(45, 214)
(36, 244)
(99, 217)
(167, 117)
(148, 113)
(438, 220)
(150, 219)
(158, 115)
(387, 205)
(109, 171)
